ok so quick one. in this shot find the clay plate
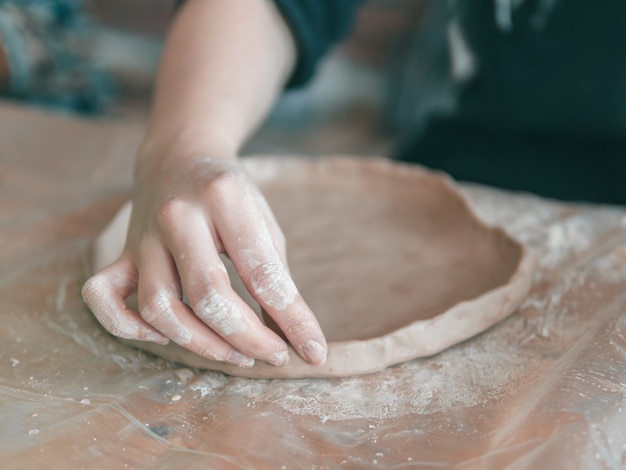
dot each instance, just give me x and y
(390, 257)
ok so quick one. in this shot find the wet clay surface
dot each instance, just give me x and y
(544, 388)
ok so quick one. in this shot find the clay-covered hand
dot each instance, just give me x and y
(185, 213)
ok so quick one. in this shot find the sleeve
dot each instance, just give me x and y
(316, 25)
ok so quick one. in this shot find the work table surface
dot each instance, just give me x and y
(546, 388)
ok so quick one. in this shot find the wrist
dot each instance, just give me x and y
(186, 145)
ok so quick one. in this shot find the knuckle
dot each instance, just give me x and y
(221, 314)
(223, 185)
(297, 327)
(168, 212)
(157, 310)
(266, 276)
(272, 284)
(298, 322)
(224, 177)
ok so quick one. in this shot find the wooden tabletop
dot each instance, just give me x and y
(545, 388)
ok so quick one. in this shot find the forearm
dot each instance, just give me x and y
(224, 63)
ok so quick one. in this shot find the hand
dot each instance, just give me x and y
(185, 213)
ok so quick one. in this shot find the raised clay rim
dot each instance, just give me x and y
(418, 339)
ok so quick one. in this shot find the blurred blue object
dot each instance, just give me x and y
(49, 48)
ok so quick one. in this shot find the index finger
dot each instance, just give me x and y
(267, 278)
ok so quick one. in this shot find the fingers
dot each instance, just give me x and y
(105, 294)
(249, 243)
(161, 306)
(210, 294)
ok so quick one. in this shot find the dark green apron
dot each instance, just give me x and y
(546, 110)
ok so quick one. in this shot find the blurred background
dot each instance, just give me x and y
(98, 58)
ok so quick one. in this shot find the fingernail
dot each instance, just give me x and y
(149, 335)
(279, 359)
(314, 352)
(240, 360)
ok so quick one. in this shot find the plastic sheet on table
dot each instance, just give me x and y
(543, 389)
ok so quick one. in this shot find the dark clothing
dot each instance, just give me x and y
(316, 25)
(545, 109)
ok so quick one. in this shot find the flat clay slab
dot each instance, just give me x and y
(390, 258)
